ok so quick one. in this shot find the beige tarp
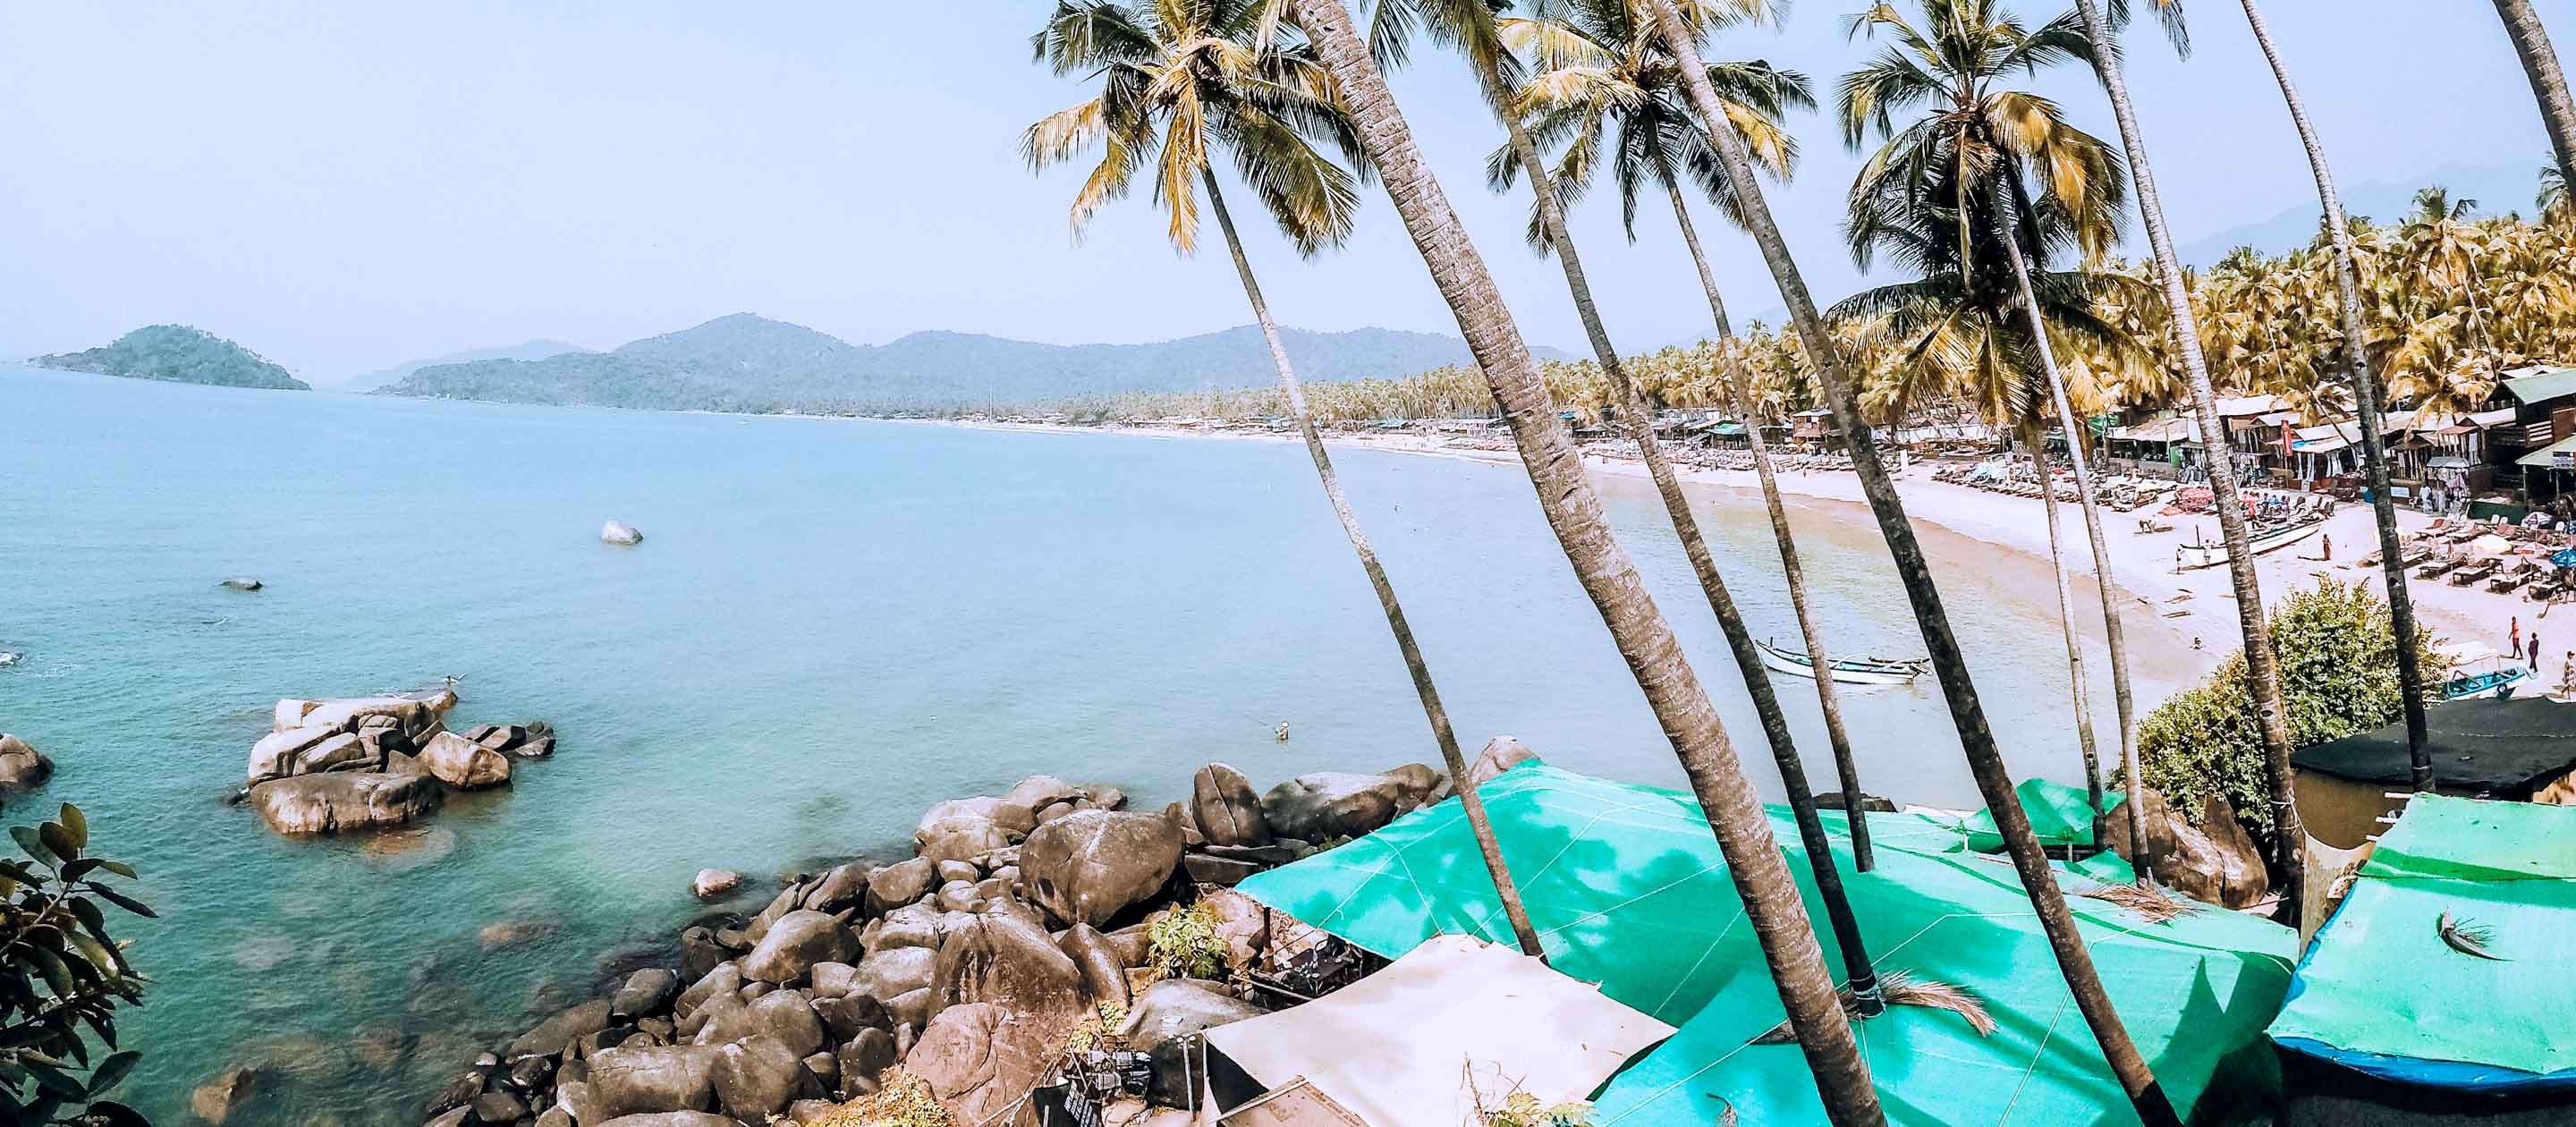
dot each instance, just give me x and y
(1401, 1047)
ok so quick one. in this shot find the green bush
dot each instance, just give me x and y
(1183, 943)
(2338, 656)
(61, 971)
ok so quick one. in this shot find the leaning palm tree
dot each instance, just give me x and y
(1603, 85)
(2017, 183)
(1177, 82)
(2540, 65)
(2365, 395)
(1967, 711)
(1573, 511)
(1472, 25)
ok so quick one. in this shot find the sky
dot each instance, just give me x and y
(344, 187)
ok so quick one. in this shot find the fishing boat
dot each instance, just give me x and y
(2478, 671)
(2200, 553)
(1846, 671)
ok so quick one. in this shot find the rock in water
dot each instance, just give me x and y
(1088, 866)
(343, 800)
(712, 883)
(215, 1100)
(464, 764)
(619, 532)
(21, 767)
(243, 583)
(1335, 804)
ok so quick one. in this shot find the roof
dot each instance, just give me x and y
(2325, 439)
(1391, 1047)
(2496, 418)
(2548, 455)
(2381, 991)
(2248, 405)
(2553, 384)
(2058, 814)
(2174, 429)
(2486, 745)
(1627, 887)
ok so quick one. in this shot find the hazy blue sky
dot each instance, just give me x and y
(345, 186)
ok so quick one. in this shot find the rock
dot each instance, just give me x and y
(1055, 811)
(912, 1008)
(22, 768)
(951, 872)
(1502, 753)
(913, 925)
(1088, 867)
(758, 1078)
(1223, 871)
(841, 886)
(452, 1117)
(413, 714)
(343, 800)
(215, 1100)
(647, 993)
(1103, 796)
(899, 884)
(1001, 959)
(498, 1108)
(832, 980)
(653, 1078)
(966, 827)
(1040, 791)
(699, 952)
(527, 1074)
(2214, 860)
(864, 1058)
(464, 764)
(242, 583)
(795, 943)
(979, 1058)
(510, 933)
(711, 884)
(498, 737)
(1165, 1015)
(1103, 966)
(824, 1067)
(1225, 808)
(280, 753)
(1869, 803)
(550, 1036)
(851, 1014)
(1240, 923)
(673, 1119)
(783, 1016)
(1333, 804)
(888, 972)
(955, 896)
(620, 532)
(540, 745)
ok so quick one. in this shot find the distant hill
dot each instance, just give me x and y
(2498, 188)
(537, 349)
(179, 354)
(747, 363)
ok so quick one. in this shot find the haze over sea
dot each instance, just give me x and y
(830, 626)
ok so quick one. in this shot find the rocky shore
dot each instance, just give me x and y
(1023, 926)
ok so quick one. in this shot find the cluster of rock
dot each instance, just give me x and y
(22, 768)
(968, 964)
(372, 762)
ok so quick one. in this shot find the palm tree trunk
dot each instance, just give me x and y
(1506, 889)
(2112, 634)
(1976, 737)
(1863, 980)
(2365, 403)
(2540, 64)
(2037, 439)
(2262, 663)
(1644, 639)
(1846, 767)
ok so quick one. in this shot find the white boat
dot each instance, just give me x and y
(2478, 671)
(1846, 671)
(2200, 553)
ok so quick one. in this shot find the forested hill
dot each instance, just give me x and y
(179, 354)
(748, 363)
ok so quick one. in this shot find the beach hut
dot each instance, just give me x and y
(1627, 888)
(2518, 749)
(2439, 990)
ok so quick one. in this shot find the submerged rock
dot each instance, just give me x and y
(713, 883)
(320, 804)
(243, 583)
(619, 532)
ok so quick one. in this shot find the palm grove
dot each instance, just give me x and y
(2004, 214)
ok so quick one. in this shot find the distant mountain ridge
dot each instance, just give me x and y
(537, 349)
(744, 362)
(2498, 188)
(178, 354)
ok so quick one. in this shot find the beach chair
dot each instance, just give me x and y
(2546, 588)
(2512, 577)
(2436, 566)
(2472, 573)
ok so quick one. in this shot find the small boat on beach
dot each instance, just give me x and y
(2478, 671)
(1845, 671)
(2200, 553)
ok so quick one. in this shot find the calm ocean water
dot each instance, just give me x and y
(830, 626)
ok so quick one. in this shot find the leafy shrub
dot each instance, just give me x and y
(1183, 944)
(1521, 1109)
(60, 971)
(2338, 655)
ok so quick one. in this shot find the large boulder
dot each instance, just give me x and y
(343, 800)
(1041, 791)
(864, 1058)
(2210, 859)
(1225, 807)
(550, 1036)
(758, 1078)
(620, 533)
(281, 753)
(646, 993)
(1088, 866)
(896, 885)
(714, 884)
(783, 1016)
(795, 943)
(21, 767)
(1103, 965)
(1006, 959)
(1339, 804)
(980, 1058)
(652, 1078)
(891, 972)
(962, 828)
(464, 764)
(1502, 753)
(672, 1119)
(1165, 1017)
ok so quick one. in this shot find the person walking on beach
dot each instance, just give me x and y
(2535, 653)
(2515, 646)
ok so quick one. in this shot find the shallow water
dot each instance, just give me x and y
(831, 625)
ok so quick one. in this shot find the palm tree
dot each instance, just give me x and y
(2540, 65)
(1471, 24)
(1183, 79)
(2018, 183)
(1573, 511)
(2365, 391)
(1967, 712)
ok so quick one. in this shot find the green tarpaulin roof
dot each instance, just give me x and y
(2544, 386)
(2381, 992)
(2058, 815)
(1627, 888)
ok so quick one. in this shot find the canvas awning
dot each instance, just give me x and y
(2325, 439)
(1400, 1047)
(2248, 405)
(2550, 455)
(2160, 430)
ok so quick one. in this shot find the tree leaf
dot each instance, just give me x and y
(112, 1114)
(33, 843)
(76, 825)
(59, 840)
(111, 1071)
(121, 900)
(120, 868)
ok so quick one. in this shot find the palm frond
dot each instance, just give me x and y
(1902, 988)
(2467, 936)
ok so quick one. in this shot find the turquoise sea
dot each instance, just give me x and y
(831, 625)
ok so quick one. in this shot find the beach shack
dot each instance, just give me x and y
(2540, 442)
(2519, 749)
(1816, 427)
(2439, 991)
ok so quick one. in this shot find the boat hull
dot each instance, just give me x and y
(2191, 556)
(1844, 672)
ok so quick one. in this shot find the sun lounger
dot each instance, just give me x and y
(2472, 573)
(2513, 577)
(2438, 565)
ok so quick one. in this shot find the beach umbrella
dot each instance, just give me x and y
(2565, 557)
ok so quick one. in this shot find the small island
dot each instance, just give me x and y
(180, 354)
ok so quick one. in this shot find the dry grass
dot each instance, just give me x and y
(901, 1100)
(1902, 988)
(2155, 906)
